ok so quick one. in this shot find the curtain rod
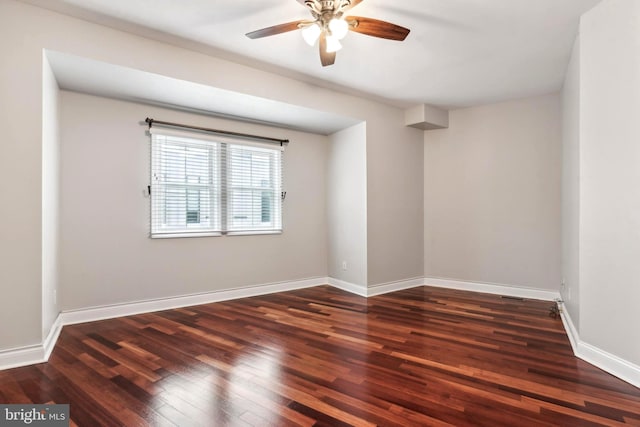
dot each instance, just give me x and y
(219, 132)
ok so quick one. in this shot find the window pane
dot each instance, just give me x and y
(186, 185)
(266, 206)
(253, 187)
(188, 175)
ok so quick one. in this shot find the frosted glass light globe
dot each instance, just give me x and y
(339, 28)
(311, 33)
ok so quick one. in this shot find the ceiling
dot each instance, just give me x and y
(459, 52)
(112, 81)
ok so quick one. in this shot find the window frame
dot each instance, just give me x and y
(274, 189)
(220, 172)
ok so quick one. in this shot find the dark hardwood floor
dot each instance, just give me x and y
(323, 357)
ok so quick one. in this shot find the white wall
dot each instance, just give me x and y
(106, 254)
(347, 205)
(610, 178)
(492, 195)
(50, 197)
(21, 96)
(571, 186)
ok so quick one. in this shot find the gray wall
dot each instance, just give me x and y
(21, 94)
(492, 195)
(106, 254)
(21, 89)
(394, 199)
(50, 197)
(610, 177)
(571, 186)
(347, 205)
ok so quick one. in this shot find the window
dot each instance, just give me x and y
(252, 188)
(206, 185)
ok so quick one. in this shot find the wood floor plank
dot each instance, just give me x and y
(324, 357)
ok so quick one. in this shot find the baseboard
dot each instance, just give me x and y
(33, 354)
(608, 362)
(52, 338)
(128, 309)
(569, 327)
(493, 288)
(348, 287)
(40, 353)
(23, 356)
(385, 288)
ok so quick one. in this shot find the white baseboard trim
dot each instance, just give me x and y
(493, 288)
(93, 314)
(52, 338)
(39, 353)
(569, 327)
(348, 287)
(385, 288)
(610, 363)
(33, 354)
(23, 356)
(606, 361)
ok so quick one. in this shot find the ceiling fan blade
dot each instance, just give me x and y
(352, 4)
(377, 28)
(276, 29)
(326, 58)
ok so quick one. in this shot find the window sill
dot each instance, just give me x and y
(184, 235)
(252, 233)
(214, 234)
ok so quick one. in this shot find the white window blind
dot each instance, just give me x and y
(253, 199)
(208, 185)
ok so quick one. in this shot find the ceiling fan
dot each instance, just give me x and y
(329, 25)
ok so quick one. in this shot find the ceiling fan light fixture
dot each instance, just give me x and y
(330, 25)
(339, 28)
(311, 33)
(333, 44)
